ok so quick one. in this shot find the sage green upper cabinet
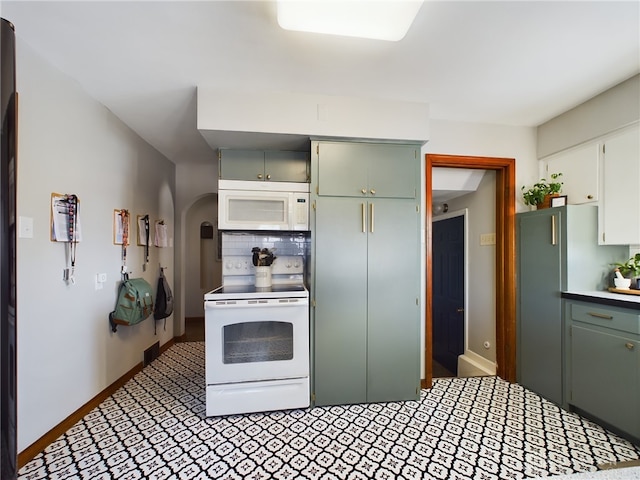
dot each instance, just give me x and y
(260, 165)
(580, 170)
(620, 203)
(364, 169)
(286, 166)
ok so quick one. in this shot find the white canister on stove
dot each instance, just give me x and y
(263, 276)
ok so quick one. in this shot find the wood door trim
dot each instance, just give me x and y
(505, 169)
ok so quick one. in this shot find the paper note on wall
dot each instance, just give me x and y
(161, 235)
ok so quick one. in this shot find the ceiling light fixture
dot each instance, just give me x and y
(378, 19)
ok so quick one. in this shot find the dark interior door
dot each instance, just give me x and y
(448, 291)
(8, 253)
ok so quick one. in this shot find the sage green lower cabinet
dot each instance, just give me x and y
(366, 316)
(603, 364)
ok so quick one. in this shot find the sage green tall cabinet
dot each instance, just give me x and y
(366, 272)
(557, 251)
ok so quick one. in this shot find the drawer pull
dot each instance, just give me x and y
(629, 345)
(601, 315)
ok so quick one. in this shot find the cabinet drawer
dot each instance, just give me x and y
(606, 317)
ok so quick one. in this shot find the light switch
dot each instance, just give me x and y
(25, 227)
(487, 239)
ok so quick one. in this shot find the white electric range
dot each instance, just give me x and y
(257, 339)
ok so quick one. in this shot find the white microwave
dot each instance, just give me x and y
(247, 205)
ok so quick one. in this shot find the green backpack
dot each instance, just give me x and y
(135, 303)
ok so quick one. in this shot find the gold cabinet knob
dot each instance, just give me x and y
(629, 345)
(364, 191)
(268, 177)
(260, 176)
(590, 197)
(373, 192)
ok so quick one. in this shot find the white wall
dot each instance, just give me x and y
(70, 143)
(193, 182)
(613, 109)
(459, 138)
(481, 262)
(296, 114)
(201, 263)
(484, 140)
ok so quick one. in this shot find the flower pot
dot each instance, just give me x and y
(622, 283)
(546, 203)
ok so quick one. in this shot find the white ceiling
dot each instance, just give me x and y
(512, 63)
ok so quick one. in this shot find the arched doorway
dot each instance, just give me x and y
(505, 257)
(202, 266)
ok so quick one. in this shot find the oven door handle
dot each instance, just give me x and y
(229, 304)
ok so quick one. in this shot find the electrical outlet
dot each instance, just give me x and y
(25, 228)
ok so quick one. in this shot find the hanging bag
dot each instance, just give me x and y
(164, 298)
(135, 302)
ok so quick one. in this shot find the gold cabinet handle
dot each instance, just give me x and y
(601, 315)
(260, 176)
(372, 216)
(629, 345)
(554, 237)
(364, 215)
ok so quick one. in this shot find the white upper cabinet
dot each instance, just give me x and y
(579, 168)
(619, 212)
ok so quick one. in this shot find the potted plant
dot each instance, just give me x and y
(540, 194)
(630, 269)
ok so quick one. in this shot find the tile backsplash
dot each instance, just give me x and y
(285, 243)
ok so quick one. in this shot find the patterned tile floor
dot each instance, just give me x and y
(476, 428)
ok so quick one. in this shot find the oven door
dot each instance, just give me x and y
(253, 340)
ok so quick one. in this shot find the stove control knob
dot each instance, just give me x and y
(238, 265)
(228, 265)
(296, 263)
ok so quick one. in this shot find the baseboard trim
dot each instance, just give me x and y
(52, 435)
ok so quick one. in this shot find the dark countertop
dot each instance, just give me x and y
(611, 299)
